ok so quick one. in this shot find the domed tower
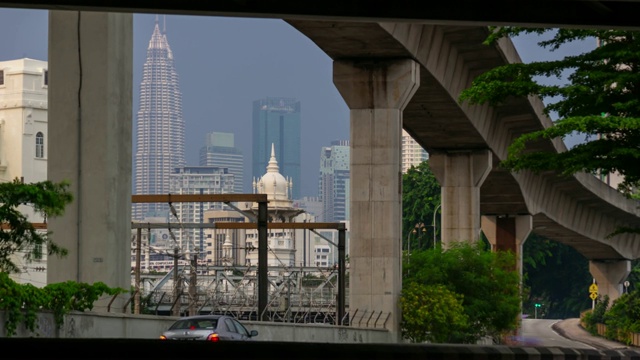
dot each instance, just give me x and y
(279, 209)
(272, 183)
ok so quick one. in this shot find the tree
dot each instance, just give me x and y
(432, 313)
(486, 281)
(420, 198)
(600, 100)
(18, 235)
(557, 276)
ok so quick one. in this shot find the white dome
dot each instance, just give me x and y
(273, 183)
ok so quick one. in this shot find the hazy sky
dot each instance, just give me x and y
(224, 64)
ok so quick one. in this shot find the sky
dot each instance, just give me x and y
(224, 64)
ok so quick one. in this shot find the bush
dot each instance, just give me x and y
(595, 316)
(21, 302)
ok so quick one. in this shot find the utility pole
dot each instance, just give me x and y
(176, 284)
(136, 299)
(192, 286)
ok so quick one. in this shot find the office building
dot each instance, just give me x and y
(334, 183)
(24, 140)
(197, 180)
(277, 121)
(219, 151)
(412, 153)
(159, 131)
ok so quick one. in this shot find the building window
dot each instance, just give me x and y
(39, 145)
(46, 77)
(1, 77)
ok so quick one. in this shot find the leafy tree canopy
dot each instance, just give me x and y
(601, 100)
(420, 198)
(432, 313)
(486, 281)
(18, 235)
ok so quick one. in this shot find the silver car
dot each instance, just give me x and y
(208, 328)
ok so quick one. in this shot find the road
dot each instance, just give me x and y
(538, 332)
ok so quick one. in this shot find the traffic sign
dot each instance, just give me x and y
(593, 288)
(593, 296)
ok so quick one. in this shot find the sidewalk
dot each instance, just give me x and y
(571, 329)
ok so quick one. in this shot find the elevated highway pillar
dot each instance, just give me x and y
(376, 91)
(460, 174)
(508, 233)
(609, 276)
(90, 103)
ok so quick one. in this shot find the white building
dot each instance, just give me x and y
(23, 139)
(287, 247)
(197, 180)
(412, 153)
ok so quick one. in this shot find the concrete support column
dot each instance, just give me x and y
(508, 233)
(90, 111)
(376, 92)
(609, 277)
(460, 175)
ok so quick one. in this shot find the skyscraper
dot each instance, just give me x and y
(219, 151)
(277, 121)
(334, 181)
(159, 127)
(412, 153)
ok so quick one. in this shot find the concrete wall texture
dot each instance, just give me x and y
(101, 325)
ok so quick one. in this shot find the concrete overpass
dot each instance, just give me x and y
(579, 211)
(402, 72)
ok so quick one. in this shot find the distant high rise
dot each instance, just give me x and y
(277, 121)
(334, 181)
(219, 151)
(412, 153)
(159, 126)
(198, 180)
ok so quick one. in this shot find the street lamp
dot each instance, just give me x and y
(536, 306)
(419, 226)
(409, 240)
(434, 224)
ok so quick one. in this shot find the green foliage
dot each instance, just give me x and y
(487, 282)
(599, 82)
(623, 318)
(21, 302)
(555, 275)
(596, 316)
(420, 198)
(432, 313)
(45, 197)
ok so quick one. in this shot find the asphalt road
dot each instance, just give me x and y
(540, 332)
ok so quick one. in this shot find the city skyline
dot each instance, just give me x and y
(227, 63)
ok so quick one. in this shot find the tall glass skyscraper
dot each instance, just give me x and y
(159, 126)
(334, 181)
(277, 121)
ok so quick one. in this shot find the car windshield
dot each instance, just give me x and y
(193, 324)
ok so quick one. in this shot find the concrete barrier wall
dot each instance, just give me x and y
(88, 325)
